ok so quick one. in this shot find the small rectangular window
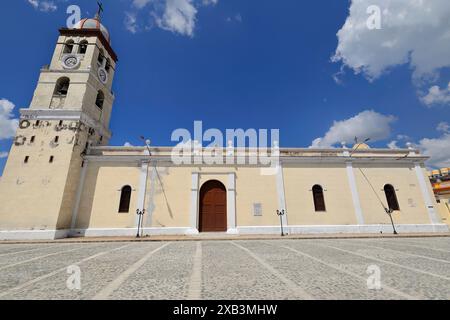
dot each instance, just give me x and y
(38, 122)
(56, 139)
(257, 210)
(32, 139)
(27, 158)
(61, 123)
(52, 158)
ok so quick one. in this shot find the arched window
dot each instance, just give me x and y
(125, 197)
(391, 197)
(68, 47)
(101, 56)
(83, 47)
(100, 100)
(319, 200)
(108, 65)
(62, 86)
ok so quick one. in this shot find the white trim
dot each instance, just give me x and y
(281, 194)
(69, 115)
(350, 229)
(129, 232)
(194, 203)
(151, 198)
(34, 234)
(250, 230)
(142, 189)
(426, 195)
(355, 194)
(76, 208)
(231, 204)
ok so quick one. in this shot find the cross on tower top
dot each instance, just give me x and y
(100, 9)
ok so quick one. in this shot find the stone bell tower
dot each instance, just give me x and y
(70, 111)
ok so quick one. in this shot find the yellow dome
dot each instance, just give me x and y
(361, 146)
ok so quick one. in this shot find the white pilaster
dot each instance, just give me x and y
(231, 204)
(281, 193)
(355, 194)
(426, 194)
(80, 188)
(142, 188)
(194, 204)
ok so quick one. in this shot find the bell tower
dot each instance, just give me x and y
(69, 112)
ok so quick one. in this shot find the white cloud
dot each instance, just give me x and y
(43, 5)
(438, 149)
(127, 144)
(367, 124)
(210, 2)
(140, 3)
(131, 22)
(443, 127)
(236, 18)
(437, 95)
(393, 145)
(414, 32)
(177, 16)
(8, 125)
(3, 155)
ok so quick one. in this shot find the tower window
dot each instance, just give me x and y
(101, 57)
(32, 139)
(100, 100)
(52, 158)
(38, 122)
(391, 197)
(83, 47)
(56, 139)
(108, 65)
(125, 197)
(27, 158)
(61, 123)
(62, 86)
(319, 199)
(68, 47)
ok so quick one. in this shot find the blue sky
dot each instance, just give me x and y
(254, 64)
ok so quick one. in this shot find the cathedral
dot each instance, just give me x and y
(62, 179)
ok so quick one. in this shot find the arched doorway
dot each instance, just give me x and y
(213, 207)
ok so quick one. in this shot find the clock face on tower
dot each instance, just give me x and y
(70, 61)
(102, 75)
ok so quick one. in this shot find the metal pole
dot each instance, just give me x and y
(139, 223)
(389, 212)
(142, 223)
(281, 214)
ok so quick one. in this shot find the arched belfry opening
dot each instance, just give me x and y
(213, 207)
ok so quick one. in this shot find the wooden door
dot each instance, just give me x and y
(213, 207)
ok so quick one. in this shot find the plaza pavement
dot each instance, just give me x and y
(334, 268)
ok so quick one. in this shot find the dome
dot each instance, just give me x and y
(93, 23)
(361, 146)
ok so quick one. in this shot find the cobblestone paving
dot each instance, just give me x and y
(410, 268)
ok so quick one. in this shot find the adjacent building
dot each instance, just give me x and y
(440, 180)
